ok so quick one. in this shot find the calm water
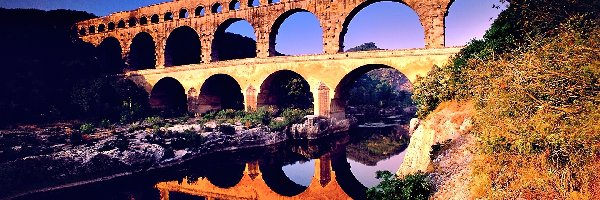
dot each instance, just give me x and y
(339, 167)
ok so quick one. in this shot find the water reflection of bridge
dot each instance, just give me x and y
(265, 179)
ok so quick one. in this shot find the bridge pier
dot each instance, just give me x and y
(250, 99)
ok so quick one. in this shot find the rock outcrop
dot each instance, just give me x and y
(448, 122)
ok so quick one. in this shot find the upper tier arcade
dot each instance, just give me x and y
(206, 17)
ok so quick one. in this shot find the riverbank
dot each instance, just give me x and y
(33, 158)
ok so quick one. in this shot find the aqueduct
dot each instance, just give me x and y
(183, 64)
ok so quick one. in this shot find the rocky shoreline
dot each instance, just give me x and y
(127, 149)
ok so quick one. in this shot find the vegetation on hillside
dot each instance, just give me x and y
(535, 79)
(415, 187)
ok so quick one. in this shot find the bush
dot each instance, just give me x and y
(187, 139)
(155, 121)
(87, 128)
(413, 187)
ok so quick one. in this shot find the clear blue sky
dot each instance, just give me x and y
(390, 25)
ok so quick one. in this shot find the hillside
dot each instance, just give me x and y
(534, 80)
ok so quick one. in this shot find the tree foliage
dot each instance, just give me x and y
(413, 187)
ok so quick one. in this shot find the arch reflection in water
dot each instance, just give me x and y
(323, 185)
(343, 170)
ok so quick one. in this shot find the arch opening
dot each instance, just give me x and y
(143, 21)
(199, 12)
(92, 29)
(101, 28)
(234, 39)
(216, 8)
(183, 13)
(220, 92)
(234, 5)
(142, 53)
(396, 25)
(168, 98)
(109, 55)
(154, 19)
(466, 20)
(82, 31)
(296, 28)
(121, 24)
(183, 47)
(132, 22)
(372, 93)
(168, 16)
(285, 89)
(111, 26)
(273, 1)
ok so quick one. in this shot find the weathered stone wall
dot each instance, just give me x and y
(333, 15)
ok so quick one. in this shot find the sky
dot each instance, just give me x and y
(390, 25)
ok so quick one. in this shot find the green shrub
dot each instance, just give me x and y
(155, 121)
(87, 128)
(278, 125)
(187, 139)
(411, 187)
(294, 115)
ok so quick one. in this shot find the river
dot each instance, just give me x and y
(339, 167)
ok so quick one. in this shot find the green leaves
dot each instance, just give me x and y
(414, 187)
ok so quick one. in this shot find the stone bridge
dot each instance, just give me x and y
(169, 49)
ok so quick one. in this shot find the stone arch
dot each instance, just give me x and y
(142, 53)
(168, 97)
(154, 19)
(82, 31)
(111, 26)
(143, 20)
(101, 28)
(183, 13)
(220, 91)
(273, 91)
(219, 53)
(342, 89)
(110, 57)
(234, 5)
(182, 47)
(199, 12)
(92, 29)
(168, 16)
(216, 8)
(277, 24)
(132, 22)
(121, 24)
(348, 18)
